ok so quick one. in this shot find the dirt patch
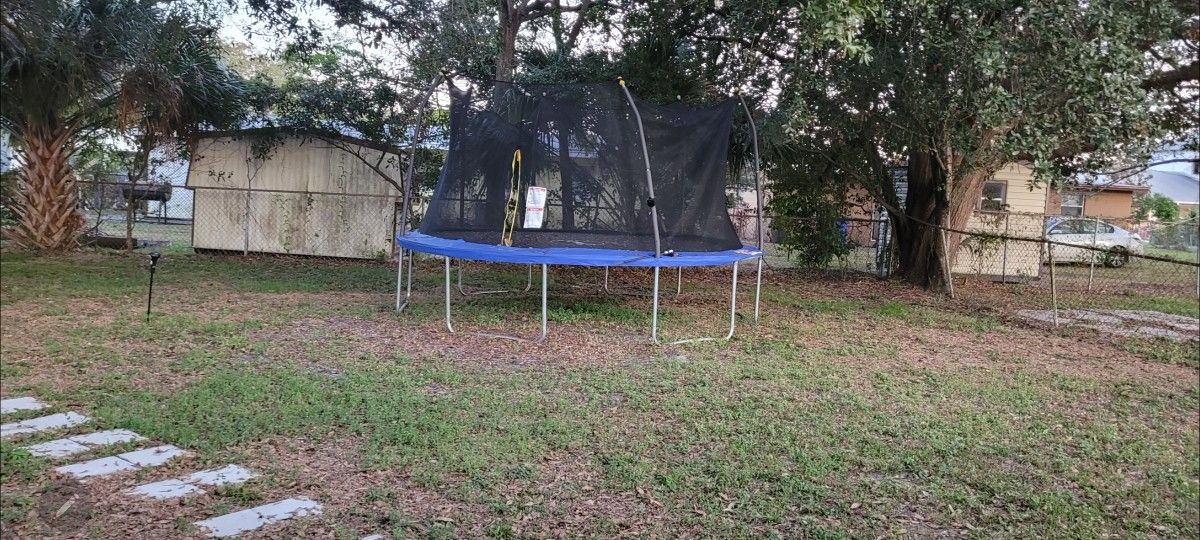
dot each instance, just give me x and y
(64, 508)
(569, 344)
(565, 494)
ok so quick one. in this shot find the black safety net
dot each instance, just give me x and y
(561, 165)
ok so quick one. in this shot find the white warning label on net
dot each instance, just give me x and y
(535, 207)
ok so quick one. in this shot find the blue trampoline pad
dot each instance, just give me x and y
(461, 249)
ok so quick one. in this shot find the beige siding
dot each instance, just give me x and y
(218, 218)
(1024, 218)
(218, 163)
(1014, 259)
(1021, 196)
(323, 213)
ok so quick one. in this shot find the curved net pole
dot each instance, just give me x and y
(653, 211)
(406, 204)
(757, 205)
(649, 177)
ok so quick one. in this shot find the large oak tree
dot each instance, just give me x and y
(952, 90)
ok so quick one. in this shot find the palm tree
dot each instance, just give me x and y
(70, 67)
(181, 86)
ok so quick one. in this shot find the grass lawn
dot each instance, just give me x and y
(857, 408)
(1183, 255)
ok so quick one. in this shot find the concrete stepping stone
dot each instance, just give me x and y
(42, 423)
(247, 520)
(61, 448)
(178, 487)
(138, 459)
(8, 406)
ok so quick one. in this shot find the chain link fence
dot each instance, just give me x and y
(860, 245)
(153, 215)
(1140, 279)
(1004, 260)
(240, 221)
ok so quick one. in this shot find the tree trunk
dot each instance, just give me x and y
(510, 25)
(919, 253)
(565, 179)
(47, 218)
(933, 198)
(138, 171)
(129, 211)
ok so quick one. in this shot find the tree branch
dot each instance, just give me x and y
(1168, 79)
(781, 58)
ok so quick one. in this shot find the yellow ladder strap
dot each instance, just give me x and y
(514, 194)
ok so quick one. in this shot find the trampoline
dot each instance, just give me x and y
(581, 175)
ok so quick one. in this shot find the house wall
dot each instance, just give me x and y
(1011, 260)
(325, 202)
(1054, 202)
(1022, 196)
(1025, 217)
(859, 227)
(1109, 204)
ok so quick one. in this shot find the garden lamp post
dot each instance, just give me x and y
(150, 294)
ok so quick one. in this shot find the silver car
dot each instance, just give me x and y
(1112, 244)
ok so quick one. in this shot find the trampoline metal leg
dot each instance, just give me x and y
(399, 278)
(400, 305)
(544, 331)
(449, 325)
(544, 295)
(654, 309)
(758, 288)
(732, 313)
(528, 283)
(678, 285)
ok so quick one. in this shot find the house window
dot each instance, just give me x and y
(993, 199)
(1072, 205)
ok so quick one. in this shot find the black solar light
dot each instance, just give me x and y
(149, 295)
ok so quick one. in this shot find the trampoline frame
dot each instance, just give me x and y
(401, 303)
(545, 296)
(528, 283)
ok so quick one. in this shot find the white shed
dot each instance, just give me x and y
(303, 196)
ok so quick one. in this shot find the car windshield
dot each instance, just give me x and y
(1083, 226)
(1069, 226)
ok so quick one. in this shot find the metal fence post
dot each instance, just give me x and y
(1053, 284)
(1092, 268)
(1004, 252)
(246, 223)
